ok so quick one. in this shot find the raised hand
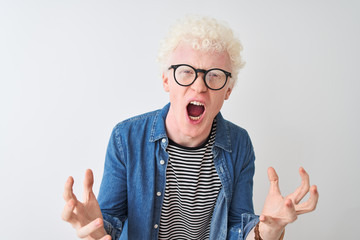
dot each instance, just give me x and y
(85, 216)
(279, 211)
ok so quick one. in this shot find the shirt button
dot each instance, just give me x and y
(164, 140)
(162, 162)
(156, 226)
(158, 193)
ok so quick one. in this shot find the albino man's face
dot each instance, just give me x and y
(193, 108)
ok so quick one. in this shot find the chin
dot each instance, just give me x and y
(195, 130)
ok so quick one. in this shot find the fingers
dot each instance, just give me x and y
(67, 214)
(88, 184)
(90, 228)
(290, 211)
(68, 192)
(279, 211)
(303, 189)
(285, 215)
(274, 181)
(311, 203)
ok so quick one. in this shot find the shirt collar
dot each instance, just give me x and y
(158, 129)
(222, 138)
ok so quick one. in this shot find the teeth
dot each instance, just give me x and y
(195, 118)
(196, 103)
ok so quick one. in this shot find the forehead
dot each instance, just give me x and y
(185, 54)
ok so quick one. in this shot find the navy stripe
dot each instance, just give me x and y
(192, 187)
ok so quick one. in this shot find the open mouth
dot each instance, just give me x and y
(195, 110)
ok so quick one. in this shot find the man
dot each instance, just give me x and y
(184, 172)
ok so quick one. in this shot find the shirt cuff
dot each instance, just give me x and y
(240, 230)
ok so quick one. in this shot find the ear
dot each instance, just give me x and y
(228, 92)
(165, 82)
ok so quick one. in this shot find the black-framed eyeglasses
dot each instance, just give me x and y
(214, 79)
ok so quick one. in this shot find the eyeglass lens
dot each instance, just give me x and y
(186, 75)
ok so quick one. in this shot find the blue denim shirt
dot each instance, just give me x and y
(131, 192)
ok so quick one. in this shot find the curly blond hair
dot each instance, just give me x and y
(206, 34)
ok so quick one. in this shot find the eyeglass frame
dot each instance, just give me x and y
(227, 74)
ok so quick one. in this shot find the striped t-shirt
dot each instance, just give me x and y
(192, 187)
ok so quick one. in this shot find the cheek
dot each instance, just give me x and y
(175, 94)
(219, 101)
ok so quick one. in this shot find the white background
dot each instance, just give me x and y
(70, 70)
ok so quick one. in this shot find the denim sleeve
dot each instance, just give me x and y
(113, 226)
(241, 214)
(112, 196)
(241, 230)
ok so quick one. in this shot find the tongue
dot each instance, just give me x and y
(194, 110)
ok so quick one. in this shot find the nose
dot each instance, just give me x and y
(199, 84)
